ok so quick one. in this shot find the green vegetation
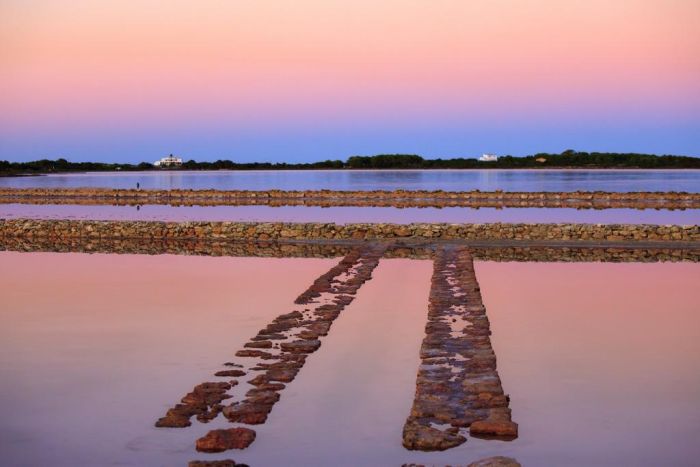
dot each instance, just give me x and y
(567, 159)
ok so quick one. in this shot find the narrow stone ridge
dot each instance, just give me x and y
(314, 231)
(398, 198)
(277, 353)
(457, 384)
(320, 249)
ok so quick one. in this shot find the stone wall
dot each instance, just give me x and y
(398, 198)
(264, 231)
(204, 247)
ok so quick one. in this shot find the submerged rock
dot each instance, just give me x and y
(230, 373)
(255, 354)
(301, 346)
(426, 438)
(248, 412)
(221, 463)
(222, 440)
(457, 383)
(494, 428)
(259, 344)
(204, 402)
(497, 461)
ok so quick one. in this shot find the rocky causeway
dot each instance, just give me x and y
(374, 198)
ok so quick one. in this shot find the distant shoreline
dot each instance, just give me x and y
(569, 159)
(434, 169)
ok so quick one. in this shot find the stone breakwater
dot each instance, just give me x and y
(457, 384)
(264, 231)
(506, 253)
(275, 356)
(379, 198)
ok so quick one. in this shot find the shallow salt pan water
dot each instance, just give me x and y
(349, 214)
(600, 360)
(448, 180)
(95, 348)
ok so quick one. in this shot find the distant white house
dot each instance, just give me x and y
(170, 161)
(488, 158)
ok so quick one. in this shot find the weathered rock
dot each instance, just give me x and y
(262, 344)
(230, 373)
(222, 440)
(354, 269)
(301, 346)
(294, 315)
(248, 412)
(255, 353)
(221, 463)
(426, 438)
(204, 402)
(269, 337)
(173, 421)
(497, 461)
(284, 375)
(457, 382)
(308, 335)
(494, 428)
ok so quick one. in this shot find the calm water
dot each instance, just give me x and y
(601, 365)
(345, 214)
(451, 180)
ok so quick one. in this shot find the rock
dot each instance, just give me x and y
(321, 327)
(259, 344)
(426, 438)
(255, 354)
(307, 335)
(497, 461)
(263, 397)
(284, 375)
(267, 387)
(288, 316)
(173, 421)
(247, 412)
(230, 373)
(221, 463)
(494, 428)
(259, 380)
(204, 402)
(457, 383)
(222, 440)
(301, 346)
(269, 337)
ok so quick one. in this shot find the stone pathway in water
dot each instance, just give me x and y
(457, 384)
(274, 356)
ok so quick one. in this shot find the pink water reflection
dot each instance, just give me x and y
(600, 359)
(347, 214)
(94, 348)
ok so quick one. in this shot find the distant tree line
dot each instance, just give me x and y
(567, 159)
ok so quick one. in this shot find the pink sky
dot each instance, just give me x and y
(358, 76)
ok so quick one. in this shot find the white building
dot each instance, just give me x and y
(488, 158)
(170, 161)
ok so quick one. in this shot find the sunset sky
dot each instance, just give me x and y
(305, 80)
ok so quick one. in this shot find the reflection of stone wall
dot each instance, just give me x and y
(586, 255)
(398, 198)
(264, 231)
(332, 250)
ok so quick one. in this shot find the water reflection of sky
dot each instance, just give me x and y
(341, 214)
(452, 180)
(599, 359)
